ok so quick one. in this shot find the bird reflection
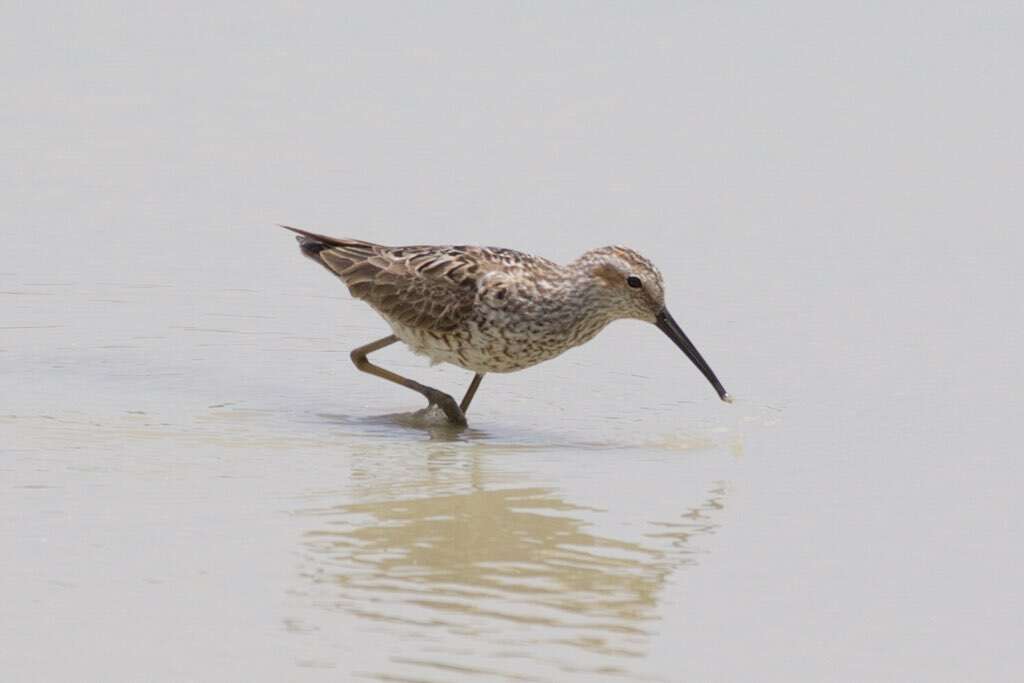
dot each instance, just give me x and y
(517, 567)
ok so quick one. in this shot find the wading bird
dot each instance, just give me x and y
(487, 309)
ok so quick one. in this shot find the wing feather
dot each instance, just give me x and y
(431, 288)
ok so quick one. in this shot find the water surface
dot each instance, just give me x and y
(197, 484)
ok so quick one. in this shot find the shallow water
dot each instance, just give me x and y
(205, 470)
(197, 484)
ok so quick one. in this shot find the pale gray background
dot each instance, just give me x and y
(832, 191)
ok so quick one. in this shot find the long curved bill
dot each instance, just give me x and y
(671, 328)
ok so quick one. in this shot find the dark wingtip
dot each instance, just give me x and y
(315, 237)
(310, 245)
(311, 248)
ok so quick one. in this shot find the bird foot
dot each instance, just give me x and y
(448, 405)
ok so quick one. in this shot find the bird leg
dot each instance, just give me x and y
(471, 392)
(442, 400)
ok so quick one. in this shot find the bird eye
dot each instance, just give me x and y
(634, 282)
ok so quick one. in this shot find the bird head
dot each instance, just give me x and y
(630, 286)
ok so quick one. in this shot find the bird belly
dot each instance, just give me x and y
(475, 352)
(481, 348)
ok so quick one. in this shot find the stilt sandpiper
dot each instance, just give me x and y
(487, 309)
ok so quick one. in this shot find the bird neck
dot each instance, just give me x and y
(583, 303)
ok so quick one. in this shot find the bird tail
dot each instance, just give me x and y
(312, 243)
(339, 254)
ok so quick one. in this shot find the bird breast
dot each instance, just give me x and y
(512, 328)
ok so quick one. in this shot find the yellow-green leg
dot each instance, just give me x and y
(452, 411)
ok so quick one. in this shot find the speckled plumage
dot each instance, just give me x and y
(490, 309)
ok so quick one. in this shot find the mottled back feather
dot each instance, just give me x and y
(425, 287)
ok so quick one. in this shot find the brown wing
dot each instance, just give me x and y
(431, 288)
